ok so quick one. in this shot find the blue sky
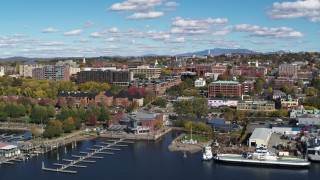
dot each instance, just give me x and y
(37, 28)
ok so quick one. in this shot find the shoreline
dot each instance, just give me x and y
(177, 146)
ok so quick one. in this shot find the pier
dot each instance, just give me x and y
(87, 155)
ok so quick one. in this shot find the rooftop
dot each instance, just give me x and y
(226, 82)
(261, 133)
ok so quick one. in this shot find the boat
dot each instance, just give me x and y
(313, 152)
(262, 156)
(207, 154)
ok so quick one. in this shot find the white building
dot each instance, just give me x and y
(200, 82)
(8, 150)
(67, 62)
(26, 70)
(147, 70)
(74, 70)
(260, 137)
(2, 71)
(223, 102)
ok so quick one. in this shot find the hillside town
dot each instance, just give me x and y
(233, 101)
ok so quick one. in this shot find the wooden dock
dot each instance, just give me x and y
(87, 155)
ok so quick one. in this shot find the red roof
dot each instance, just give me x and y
(3, 144)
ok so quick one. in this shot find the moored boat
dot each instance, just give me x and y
(262, 156)
(207, 154)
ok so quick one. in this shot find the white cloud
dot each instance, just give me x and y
(261, 42)
(299, 9)
(273, 33)
(53, 43)
(82, 40)
(73, 32)
(171, 4)
(220, 33)
(177, 40)
(195, 26)
(148, 15)
(111, 39)
(136, 5)
(89, 24)
(50, 30)
(113, 30)
(95, 35)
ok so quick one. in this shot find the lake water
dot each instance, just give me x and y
(145, 160)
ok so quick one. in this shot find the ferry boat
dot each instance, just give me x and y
(262, 156)
(314, 151)
(207, 154)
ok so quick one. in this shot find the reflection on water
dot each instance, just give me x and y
(147, 160)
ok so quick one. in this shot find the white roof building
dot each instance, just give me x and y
(200, 82)
(260, 137)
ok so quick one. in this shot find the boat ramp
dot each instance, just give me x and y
(87, 157)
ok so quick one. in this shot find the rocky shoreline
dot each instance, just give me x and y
(177, 145)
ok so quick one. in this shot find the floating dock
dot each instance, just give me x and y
(88, 155)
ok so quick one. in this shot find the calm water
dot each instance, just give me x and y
(146, 160)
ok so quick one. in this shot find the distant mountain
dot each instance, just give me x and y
(218, 51)
(18, 58)
(278, 52)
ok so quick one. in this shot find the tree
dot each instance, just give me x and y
(162, 102)
(71, 102)
(68, 125)
(104, 114)
(92, 120)
(35, 131)
(240, 115)
(53, 129)
(228, 116)
(39, 114)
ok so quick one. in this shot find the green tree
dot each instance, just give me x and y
(53, 129)
(140, 76)
(39, 114)
(104, 114)
(68, 125)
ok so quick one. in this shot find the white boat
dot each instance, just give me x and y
(262, 156)
(207, 154)
(314, 151)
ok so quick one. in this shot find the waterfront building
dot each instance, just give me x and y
(8, 150)
(147, 70)
(141, 122)
(224, 88)
(256, 105)
(260, 137)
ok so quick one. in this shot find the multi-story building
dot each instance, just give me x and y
(26, 70)
(224, 88)
(111, 77)
(288, 70)
(256, 105)
(289, 102)
(247, 87)
(157, 87)
(147, 70)
(200, 82)
(52, 72)
(280, 81)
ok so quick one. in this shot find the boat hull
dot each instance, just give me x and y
(314, 158)
(244, 161)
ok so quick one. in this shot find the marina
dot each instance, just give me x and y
(89, 155)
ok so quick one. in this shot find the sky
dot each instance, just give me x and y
(93, 28)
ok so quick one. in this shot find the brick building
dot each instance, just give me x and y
(224, 88)
(288, 70)
(110, 77)
(52, 72)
